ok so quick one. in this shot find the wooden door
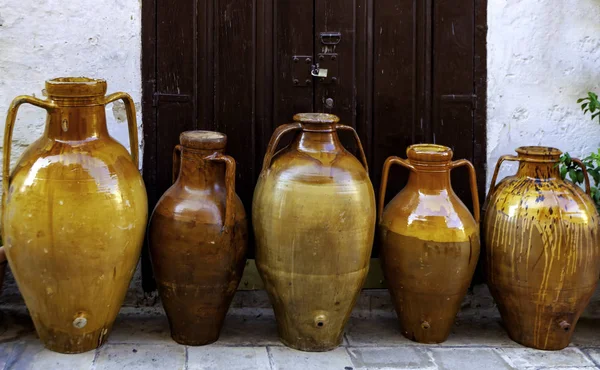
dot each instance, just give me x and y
(399, 71)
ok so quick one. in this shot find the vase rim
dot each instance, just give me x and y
(541, 151)
(201, 139)
(75, 87)
(429, 153)
(316, 118)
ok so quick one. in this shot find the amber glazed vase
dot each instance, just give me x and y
(198, 237)
(429, 243)
(314, 222)
(542, 256)
(74, 215)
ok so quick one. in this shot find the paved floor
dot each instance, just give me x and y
(140, 340)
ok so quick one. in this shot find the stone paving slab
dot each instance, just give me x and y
(372, 341)
(525, 358)
(412, 357)
(215, 357)
(283, 358)
(468, 359)
(141, 357)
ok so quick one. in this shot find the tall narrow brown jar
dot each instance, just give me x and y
(74, 215)
(430, 243)
(542, 256)
(314, 220)
(198, 237)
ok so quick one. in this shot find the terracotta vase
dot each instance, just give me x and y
(74, 215)
(314, 221)
(542, 250)
(429, 243)
(198, 237)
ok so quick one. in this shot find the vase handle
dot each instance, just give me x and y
(363, 157)
(495, 177)
(588, 189)
(131, 122)
(384, 179)
(473, 183)
(279, 132)
(11, 117)
(229, 222)
(176, 162)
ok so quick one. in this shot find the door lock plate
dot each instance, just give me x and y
(301, 68)
(330, 63)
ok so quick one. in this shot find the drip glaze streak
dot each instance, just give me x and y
(542, 257)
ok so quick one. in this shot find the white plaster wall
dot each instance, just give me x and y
(542, 56)
(43, 39)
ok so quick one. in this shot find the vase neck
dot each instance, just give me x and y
(198, 172)
(431, 165)
(76, 123)
(78, 113)
(430, 180)
(538, 162)
(318, 139)
(542, 171)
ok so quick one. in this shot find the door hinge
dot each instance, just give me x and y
(158, 98)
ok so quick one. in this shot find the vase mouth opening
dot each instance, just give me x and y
(75, 87)
(538, 152)
(203, 140)
(429, 153)
(316, 118)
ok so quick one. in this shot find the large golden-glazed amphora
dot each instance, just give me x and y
(198, 236)
(314, 221)
(429, 243)
(74, 215)
(542, 256)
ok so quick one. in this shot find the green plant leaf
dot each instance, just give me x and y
(567, 159)
(563, 172)
(573, 175)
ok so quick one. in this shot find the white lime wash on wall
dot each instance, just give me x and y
(61, 38)
(542, 56)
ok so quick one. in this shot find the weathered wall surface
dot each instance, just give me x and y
(542, 56)
(56, 38)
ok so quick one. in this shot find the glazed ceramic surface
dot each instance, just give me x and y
(314, 221)
(198, 238)
(542, 256)
(429, 243)
(74, 215)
